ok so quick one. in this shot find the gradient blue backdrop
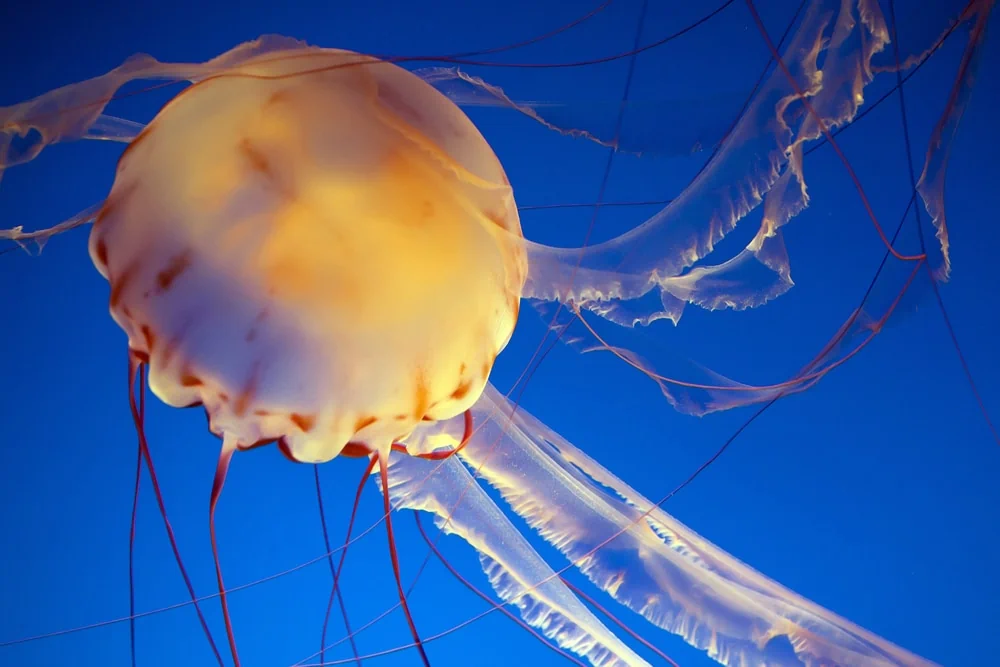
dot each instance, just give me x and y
(874, 494)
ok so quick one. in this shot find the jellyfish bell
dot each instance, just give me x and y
(319, 249)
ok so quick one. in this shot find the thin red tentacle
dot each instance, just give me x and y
(961, 358)
(439, 456)
(335, 592)
(824, 128)
(131, 533)
(225, 457)
(508, 613)
(384, 475)
(343, 556)
(136, 365)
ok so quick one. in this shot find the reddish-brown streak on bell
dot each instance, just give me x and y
(247, 393)
(486, 369)
(190, 380)
(251, 335)
(120, 283)
(421, 396)
(147, 333)
(363, 422)
(175, 267)
(257, 160)
(277, 98)
(263, 442)
(304, 422)
(102, 253)
(400, 418)
(355, 450)
(462, 389)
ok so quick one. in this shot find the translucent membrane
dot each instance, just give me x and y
(637, 553)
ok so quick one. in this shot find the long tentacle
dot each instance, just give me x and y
(334, 592)
(506, 612)
(138, 366)
(131, 533)
(225, 456)
(383, 471)
(340, 565)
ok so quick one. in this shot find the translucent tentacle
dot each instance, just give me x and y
(517, 573)
(652, 563)
(652, 127)
(653, 271)
(112, 128)
(40, 236)
(932, 179)
(76, 111)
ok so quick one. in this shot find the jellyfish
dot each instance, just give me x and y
(321, 249)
